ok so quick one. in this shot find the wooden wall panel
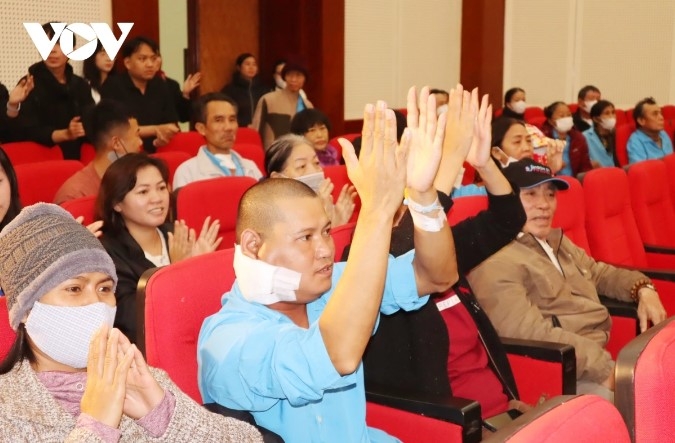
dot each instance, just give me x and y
(313, 30)
(482, 56)
(143, 14)
(218, 31)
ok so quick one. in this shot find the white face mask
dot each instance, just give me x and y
(312, 180)
(608, 123)
(502, 157)
(64, 332)
(519, 106)
(441, 109)
(588, 105)
(564, 124)
(262, 282)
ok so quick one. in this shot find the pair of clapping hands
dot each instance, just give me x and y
(385, 168)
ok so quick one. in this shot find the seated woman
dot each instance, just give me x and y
(68, 376)
(560, 126)
(96, 70)
(600, 137)
(134, 205)
(292, 156)
(514, 104)
(315, 127)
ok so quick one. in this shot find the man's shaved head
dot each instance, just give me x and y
(258, 209)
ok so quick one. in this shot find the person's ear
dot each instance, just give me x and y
(641, 121)
(201, 128)
(117, 208)
(127, 62)
(250, 242)
(275, 174)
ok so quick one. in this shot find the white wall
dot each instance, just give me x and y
(173, 37)
(624, 47)
(18, 50)
(391, 45)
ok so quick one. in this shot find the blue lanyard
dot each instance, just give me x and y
(239, 169)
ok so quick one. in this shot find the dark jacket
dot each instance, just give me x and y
(182, 104)
(579, 158)
(130, 263)
(409, 352)
(510, 113)
(579, 122)
(246, 94)
(52, 105)
(8, 126)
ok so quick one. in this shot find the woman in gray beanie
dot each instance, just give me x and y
(68, 376)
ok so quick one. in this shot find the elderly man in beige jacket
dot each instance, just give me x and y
(543, 287)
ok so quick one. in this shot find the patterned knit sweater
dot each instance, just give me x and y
(29, 413)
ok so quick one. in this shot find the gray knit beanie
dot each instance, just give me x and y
(40, 249)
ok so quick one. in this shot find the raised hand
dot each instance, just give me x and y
(481, 146)
(107, 369)
(181, 241)
(165, 133)
(75, 128)
(143, 393)
(344, 206)
(554, 154)
(208, 240)
(191, 83)
(21, 91)
(94, 228)
(459, 128)
(379, 173)
(426, 134)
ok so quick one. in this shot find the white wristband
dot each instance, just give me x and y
(420, 216)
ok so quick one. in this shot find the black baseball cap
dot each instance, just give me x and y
(527, 173)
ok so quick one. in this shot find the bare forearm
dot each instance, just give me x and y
(147, 131)
(449, 169)
(435, 261)
(495, 182)
(349, 318)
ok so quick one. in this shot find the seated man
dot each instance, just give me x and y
(649, 140)
(114, 132)
(586, 98)
(543, 287)
(216, 120)
(288, 341)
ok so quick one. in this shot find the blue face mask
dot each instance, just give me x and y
(313, 180)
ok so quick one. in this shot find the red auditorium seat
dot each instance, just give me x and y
(668, 112)
(578, 419)
(164, 293)
(351, 137)
(215, 197)
(83, 206)
(669, 161)
(645, 384)
(621, 134)
(652, 204)
(464, 207)
(87, 153)
(39, 182)
(31, 152)
(253, 152)
(338, 175)
(7, 334)
(188, 142)
(621, 117)
(247, 135)
(573, 107)
(342, 237)
(172, 159)
(613, 234)
(534, 113)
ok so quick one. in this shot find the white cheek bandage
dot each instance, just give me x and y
(262, 282)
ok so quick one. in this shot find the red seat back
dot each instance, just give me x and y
(610, 225)
(342, 237)
(570, 215)
(621, 117)
(188, 142)
(7, 335)
(83, 206)
(465, 207)
(249, 136)
(669, 161)
(215, 197)
(651, 202)
(409, 427)
(645, 384)
(253, 152)
(621, 135)
(533, 112)
(668, 112)
(39, 182)
(172, 159)
(176, 304)
(87, 153)
(31, 152)
(581, 419)
(338, 175)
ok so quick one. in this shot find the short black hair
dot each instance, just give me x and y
(500, 127)
(241, 57)
(101, 119)
(304, 120)
(600, 107)
(639, 108)
(202, 102)
(439, 91)
(585, 90)
(550, 109)
(49, 31)
(131, 46)
(511, 92)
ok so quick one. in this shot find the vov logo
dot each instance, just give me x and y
(91, 33)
